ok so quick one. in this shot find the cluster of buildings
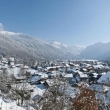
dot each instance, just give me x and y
(39, 77)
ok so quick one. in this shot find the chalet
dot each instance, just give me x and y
(90, 68)
(4, 68)
(4, 61)
(67, 65)
(69, 77)
(100, 68)
(11, 62)
(76, 65)
(19, 78)
(84, 70)
(39, 68)
(93, 80)
(37, 98)
(58, 68)
(52, 74)
(63, 68)
(25, 68)
(71, 65)
(19, 65)
(44, 76)
(34, 79)
(46, 84)
(80, 76)
(51, 82)
(50, 69)
(93, 77)
(49, 74)
(70, 70)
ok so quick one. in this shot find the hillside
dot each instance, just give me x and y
(100, 51)
(23, 46)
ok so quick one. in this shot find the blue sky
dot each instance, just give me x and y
(72, 22)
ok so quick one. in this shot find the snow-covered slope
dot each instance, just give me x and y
(21, 45)
(24, 46)
(75, 50)
(97, 51)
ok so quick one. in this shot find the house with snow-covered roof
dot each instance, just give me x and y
(80, 76)
(69, 77)
(93, 77)
(100, 68)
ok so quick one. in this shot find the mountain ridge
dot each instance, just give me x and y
(99, 51)
(21, 45)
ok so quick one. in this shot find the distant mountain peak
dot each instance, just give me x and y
(75, 50)
(97, 51)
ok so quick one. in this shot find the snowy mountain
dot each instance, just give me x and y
(24, 46)
(99, 51)
(75, 50)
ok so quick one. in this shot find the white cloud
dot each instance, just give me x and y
(1, 27)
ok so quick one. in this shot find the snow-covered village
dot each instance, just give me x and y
(58, 84)
(54, 54)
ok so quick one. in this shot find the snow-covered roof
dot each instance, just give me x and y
(39, 67)
(67, 65)
(72, 69)
(84, 69)
(4, 67)
(72, 92)
(36, 97)
(52, 82)
(20, 77)
(95, 74)
(72, 63)
(25, 67)
(49, 68)
(32, 71)
(11, 59)
(44, 76)
(105, 78)
(88, 65)
(68, 76)
(35, 78)
(19, 65)
(76, 65)
(82, 75)
(98, 66)
(103, 73)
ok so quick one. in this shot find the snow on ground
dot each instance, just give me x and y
(14, 71)
(9, 106)
(32, 71)
(38, 89)
(72, 92)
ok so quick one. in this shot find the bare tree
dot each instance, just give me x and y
(55, 98)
